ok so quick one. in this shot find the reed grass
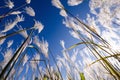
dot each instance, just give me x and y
(100, 49)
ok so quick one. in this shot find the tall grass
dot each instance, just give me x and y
(6, 71)
(88, 36)
(96, 60)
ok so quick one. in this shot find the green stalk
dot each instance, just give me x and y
(104, 58)
(115, 73)
(82, 76)
(88, 42)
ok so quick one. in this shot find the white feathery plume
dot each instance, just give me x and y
(9, 4)
(74, 34)
(44, 48)
(63, 13)
(76, 26)
(19, 18)
(74, 2)
(37, 57)
(36, 40)
(23, 33)
(65, 53)
(60, 65)
(15, 13)
(57, 4)
(26, 57)
(43, 45)
(28, 1)
(7, 57)
(74, 56)
(33, 65)
(19, 71)
(93, 24)
(105, 13)
(38, 25)
(72, 23)
(9, 43)
(27, 68)
(23, 78)
(11, 24)
(30, 11)
(62, 43)
(112, 38)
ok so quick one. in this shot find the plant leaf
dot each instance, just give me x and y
(82, 76)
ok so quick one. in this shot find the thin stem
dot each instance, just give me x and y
(56, 64)
(14, 33)
(104, 58)
(7, 13)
